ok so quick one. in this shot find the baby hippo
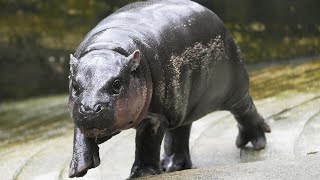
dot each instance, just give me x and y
(157, 66)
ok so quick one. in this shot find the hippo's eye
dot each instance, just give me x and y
(116, 86)
(76, 88)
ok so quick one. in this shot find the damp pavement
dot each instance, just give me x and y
(36, 135)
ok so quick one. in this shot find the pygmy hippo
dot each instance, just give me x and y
(157, 66)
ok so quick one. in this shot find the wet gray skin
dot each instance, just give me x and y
(157, 66)
(99, 83)
(36, 135)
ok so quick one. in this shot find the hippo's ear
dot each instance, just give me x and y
(73, 62)
(134, 59)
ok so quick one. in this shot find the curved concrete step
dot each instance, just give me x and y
(306, 167)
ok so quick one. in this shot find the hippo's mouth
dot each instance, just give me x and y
(98, 133)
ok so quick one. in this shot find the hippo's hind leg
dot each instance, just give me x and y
(176, 149)
(251, 124)
(149, 136)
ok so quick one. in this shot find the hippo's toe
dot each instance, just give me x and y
(80, 166)
(176, 162)
(255, 135)
(138, 171)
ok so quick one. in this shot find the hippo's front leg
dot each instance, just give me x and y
(85, 154)
(149, 136)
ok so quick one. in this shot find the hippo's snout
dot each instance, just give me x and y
(93, 115)
(87, 110)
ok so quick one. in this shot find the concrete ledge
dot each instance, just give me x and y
(304, 167)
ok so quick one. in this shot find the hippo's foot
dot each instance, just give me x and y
(81, 163)
(253, 134)
(85, 155)
(145, 171)
(176, 162)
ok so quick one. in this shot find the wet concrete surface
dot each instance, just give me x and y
(36, 136)
(306, 167)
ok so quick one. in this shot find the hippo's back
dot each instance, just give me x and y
(152, 23)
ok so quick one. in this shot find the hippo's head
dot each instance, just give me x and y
(107, 92)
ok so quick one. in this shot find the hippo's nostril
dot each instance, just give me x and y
(90, 110)
(97, 108)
